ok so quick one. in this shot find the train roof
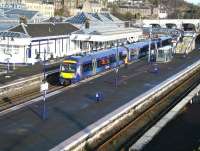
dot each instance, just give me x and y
(97, 54)
(139, 45)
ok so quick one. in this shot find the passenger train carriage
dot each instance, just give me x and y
(76, 68)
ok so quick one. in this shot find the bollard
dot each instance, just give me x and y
(155, 69)
(98, 96)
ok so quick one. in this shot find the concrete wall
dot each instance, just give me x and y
(20, 88)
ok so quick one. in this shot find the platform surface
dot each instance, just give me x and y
(73, 110)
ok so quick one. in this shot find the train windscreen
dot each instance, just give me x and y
(68, 67)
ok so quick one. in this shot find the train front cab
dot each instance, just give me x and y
(68, 71)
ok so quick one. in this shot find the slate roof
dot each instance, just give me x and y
(12, 34)
(45, 29)
(6, 26)
(81, 18)
(97, 18)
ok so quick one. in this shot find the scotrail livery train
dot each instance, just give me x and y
(76, 68)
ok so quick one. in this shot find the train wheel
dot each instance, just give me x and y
(66, 83)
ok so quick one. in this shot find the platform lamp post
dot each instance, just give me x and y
(117, 66)
(44, 88)
(150, 36)
(7, 52)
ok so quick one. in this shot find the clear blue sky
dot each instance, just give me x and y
(194, 1)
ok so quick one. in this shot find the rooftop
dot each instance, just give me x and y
(12, 34)
(94, 18)
(45, 29)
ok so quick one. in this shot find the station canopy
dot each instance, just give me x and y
(103, 34)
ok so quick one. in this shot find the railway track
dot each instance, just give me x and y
(6, 102)
(129, 133)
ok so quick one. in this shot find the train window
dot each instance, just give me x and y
(122, 56)
(102, 62)
(87, 67)
(112, 59)
(68, 67)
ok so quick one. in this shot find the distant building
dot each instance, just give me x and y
(142, 10)
(162, 12)
(72, 7)
(45, 9)
(92, 7)
(27, 44)
(58, 5)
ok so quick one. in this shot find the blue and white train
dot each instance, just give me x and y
(76, 68)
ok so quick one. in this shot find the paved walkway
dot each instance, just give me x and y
(75, 109)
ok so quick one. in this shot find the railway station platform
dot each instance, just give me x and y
(74, 109)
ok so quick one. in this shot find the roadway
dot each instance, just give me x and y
(74, 109)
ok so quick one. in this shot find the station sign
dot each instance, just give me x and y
(44, 87)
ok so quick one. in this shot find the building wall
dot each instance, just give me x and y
(58, 4)
(24, 51)
(142, 11)
(45, 9)
(14, 51)
(91, 7)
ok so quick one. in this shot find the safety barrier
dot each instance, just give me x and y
(95, 131)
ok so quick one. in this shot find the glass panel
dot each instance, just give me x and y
(68, 67)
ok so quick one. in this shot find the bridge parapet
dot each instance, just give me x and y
(178, 22)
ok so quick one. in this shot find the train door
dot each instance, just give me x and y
(94, 65)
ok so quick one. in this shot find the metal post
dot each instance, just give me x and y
(44, 70)
(8, 64)
(44, 114)
(149, 58)
(117, 67)
(116, 77)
